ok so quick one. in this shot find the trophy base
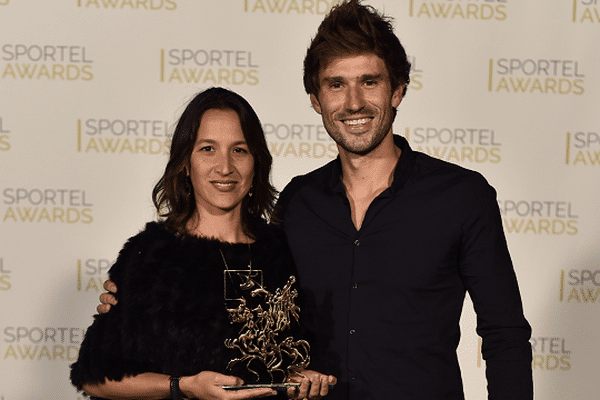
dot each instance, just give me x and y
(280, 387)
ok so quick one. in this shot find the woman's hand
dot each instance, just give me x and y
(313, 385)
(207, 385)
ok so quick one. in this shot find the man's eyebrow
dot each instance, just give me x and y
(371, 77)
(330, 79)
(362, 78)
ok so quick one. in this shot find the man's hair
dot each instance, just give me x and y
(173, 195)
(351, 28)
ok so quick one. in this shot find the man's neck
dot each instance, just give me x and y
(366, 176)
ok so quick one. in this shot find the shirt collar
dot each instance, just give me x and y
(406, 164)
(402, 172)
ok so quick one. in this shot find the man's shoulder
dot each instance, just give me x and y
(304, 188)
(427, 166)
(316, 178)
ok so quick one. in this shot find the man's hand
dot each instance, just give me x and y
(107, 299)
(313, 385)
(208, 385)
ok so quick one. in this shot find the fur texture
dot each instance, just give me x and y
(171, 316)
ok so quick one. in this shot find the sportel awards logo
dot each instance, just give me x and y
(459, 145)
(297, 140)
(37, 344)
(4, 276)
(214, 67)
(538, 217)
(313, 7)
(583, 149)
(123, 136)
(416, 75)
(46, 62)
(168, 5)
(92, 273)
(4, 137)
(550, 354)
(580, 286)
(67, 206)
(542, 76)
(484, 10)
(586, 11)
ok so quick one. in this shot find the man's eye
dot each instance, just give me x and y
(335, 85)
(370, 83)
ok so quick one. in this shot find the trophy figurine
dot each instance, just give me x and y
(264, 342)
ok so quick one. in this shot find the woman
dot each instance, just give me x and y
(166, 336)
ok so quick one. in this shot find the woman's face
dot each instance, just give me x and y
(221, 166)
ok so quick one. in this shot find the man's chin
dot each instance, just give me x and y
(360, 150)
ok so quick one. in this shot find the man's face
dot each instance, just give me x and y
(356, 102)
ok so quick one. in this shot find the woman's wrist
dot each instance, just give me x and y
(174, 388)
(184, 389)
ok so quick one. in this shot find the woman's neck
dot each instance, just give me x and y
(225, 228)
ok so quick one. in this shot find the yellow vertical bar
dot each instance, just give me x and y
(490, 75)
(162, 65)
(561, 292)
(79, 136)
(568, 149)
(79, 275)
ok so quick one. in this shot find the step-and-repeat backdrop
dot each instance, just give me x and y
(90, 90)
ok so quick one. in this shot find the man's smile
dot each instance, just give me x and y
(357, 121)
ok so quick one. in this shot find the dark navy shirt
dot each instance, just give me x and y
(383, 303)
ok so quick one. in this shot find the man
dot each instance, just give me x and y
(387, 240)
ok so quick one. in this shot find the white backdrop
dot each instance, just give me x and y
(90, 90)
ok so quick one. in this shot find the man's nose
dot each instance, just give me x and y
(355, 100)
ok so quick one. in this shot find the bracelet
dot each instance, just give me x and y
(175, 394)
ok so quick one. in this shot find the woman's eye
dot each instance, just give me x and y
(240, 150)
(206, 148)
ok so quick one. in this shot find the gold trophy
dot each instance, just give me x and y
(263, 340)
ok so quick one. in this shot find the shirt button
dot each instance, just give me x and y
(352, 331)
(357, 243)
(355, 286)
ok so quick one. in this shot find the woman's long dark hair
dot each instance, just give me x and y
(173, 195)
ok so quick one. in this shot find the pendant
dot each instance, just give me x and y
(236, 282)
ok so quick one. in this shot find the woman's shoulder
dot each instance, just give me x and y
(154, 241)
(269, 233)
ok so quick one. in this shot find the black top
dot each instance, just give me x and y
(171, 316)
(384, 302)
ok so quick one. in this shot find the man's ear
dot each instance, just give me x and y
(315, 103)
(397, 96)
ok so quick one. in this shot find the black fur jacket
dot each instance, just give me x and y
(171, 316)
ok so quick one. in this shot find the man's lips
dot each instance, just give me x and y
(357, 121)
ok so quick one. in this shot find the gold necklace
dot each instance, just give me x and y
(249, 261)
(246, 277)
